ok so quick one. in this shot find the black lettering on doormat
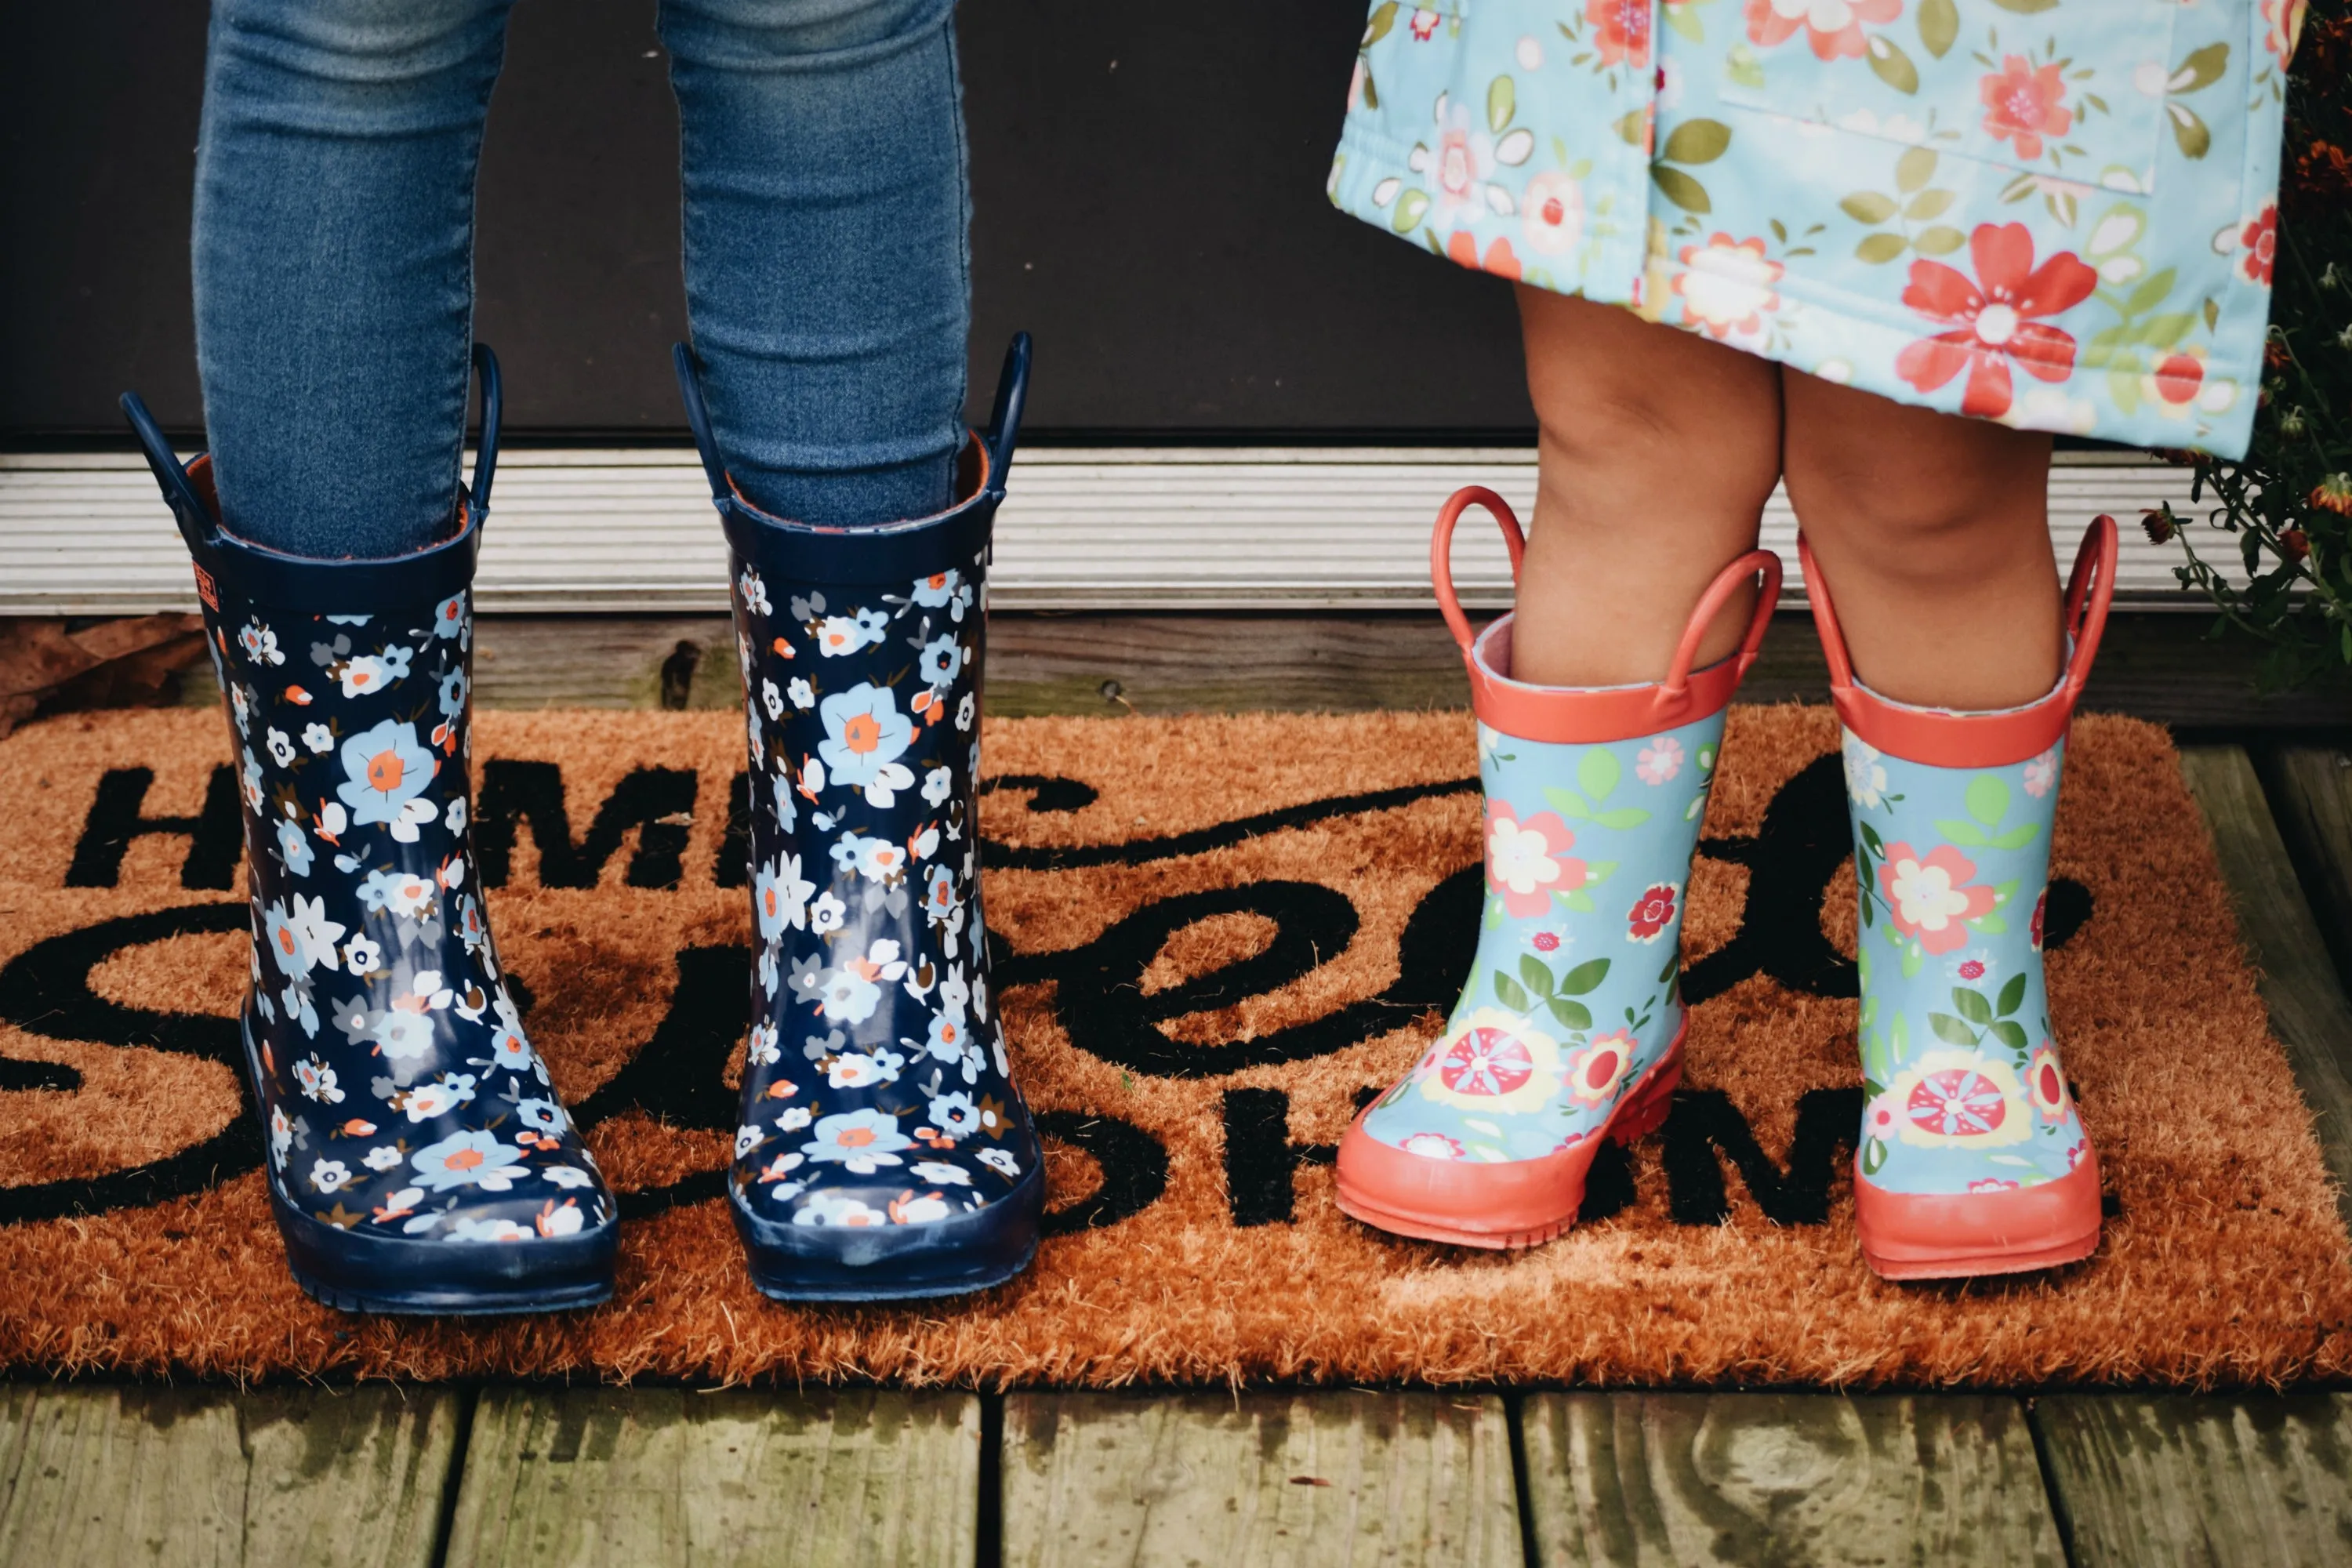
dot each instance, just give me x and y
(216, 834)
(1134, 1169)
(658, 802)
(1704, 1124)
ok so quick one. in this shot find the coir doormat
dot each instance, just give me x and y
(1217, 935)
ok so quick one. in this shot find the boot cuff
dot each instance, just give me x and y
(311, 583)
(889, 551)
(1946, 738)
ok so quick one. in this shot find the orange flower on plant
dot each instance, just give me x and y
(1462, 246)
(1621, 30)
(1930, 898)
(1833, 27)
(2023, 104)
(1994, 319)
(2334, 492)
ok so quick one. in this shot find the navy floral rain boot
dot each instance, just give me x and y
(884, 1151)
(418, 1159)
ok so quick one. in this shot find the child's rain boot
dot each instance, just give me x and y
(1972, 1159)
(1570, 1028)
(884, 1152)
(418, 1159)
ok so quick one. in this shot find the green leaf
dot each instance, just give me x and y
(1987, 799)
(1873, 1155)
(1927, 205)
(2010, 1033)
(1568, 803)
(1891, 65)
(1973, 1006)
(1876, 248)
(1989, 925)
(1623, 818)
(2151, 291)
(1939, 24)
(1632, 128)
(1913, 169)
(1873, 842)
(2017, 837)
(1901, 1038)
(1681, 189)
(2203, 67)
(2012, 994)
(1580, 900)
(1371, 93)
(1584, 977)
(2212, 319)
(1597, 871)
(2164, 330)
(1960, 831)
(1673, 967)
(2189, 130)
(1696, 141)
(1942, 240)
(1869, 911)
(1868, 206)
(1571, 1015)
(1597, 772)
(1384, 18)
(1948, 1029)
(1532, 971)
(1743, 67)
(1408, 210)
(2026, 7)
(1502, 102)
(1507, 991)
(1683, 19)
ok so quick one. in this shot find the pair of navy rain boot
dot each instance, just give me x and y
(418, 1158)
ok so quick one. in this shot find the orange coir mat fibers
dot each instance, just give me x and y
(1191, 1113)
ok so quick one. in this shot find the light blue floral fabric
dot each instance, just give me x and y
(1574, 993)
(2059, 213)
(1966, 1090)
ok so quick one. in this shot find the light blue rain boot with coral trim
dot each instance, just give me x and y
(884, 1149)
(418, 1159)
(1569, 1030)
(1972, 1159)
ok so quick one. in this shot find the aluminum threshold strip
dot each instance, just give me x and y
(1165, 529)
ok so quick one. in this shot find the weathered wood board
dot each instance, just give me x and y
(308, 1477)
(2209, 1480)
(1302, 1480)
(1670, 1479)
(638, 1476)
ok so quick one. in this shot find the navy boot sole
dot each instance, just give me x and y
(394, 1275)
(953, 1256)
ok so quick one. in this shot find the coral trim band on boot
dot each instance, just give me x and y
(1566, 714)
(1945, 739)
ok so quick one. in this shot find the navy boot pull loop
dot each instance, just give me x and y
(1004, 419)
(698, 420)
(179, 492)
(486, 454)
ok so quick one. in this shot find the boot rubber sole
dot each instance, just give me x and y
(953, 1256)
(1502, 1207)
(1960, 1236)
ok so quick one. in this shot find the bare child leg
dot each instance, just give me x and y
(1933, 532)
(1657, 452)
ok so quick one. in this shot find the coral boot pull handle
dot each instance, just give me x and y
(1675, 695)
(2090, 594)
(1441, 552)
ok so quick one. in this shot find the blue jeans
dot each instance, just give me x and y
(827, 256)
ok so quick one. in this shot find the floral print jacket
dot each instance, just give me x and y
(2058, 214)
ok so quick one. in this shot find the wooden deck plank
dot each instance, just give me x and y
(1625, 1479)
(2155, 665)
(2310, 790)
(2209, 1480)
(309, 1476)
(2299, 982)
(1337, 1477)
(638, 1476)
